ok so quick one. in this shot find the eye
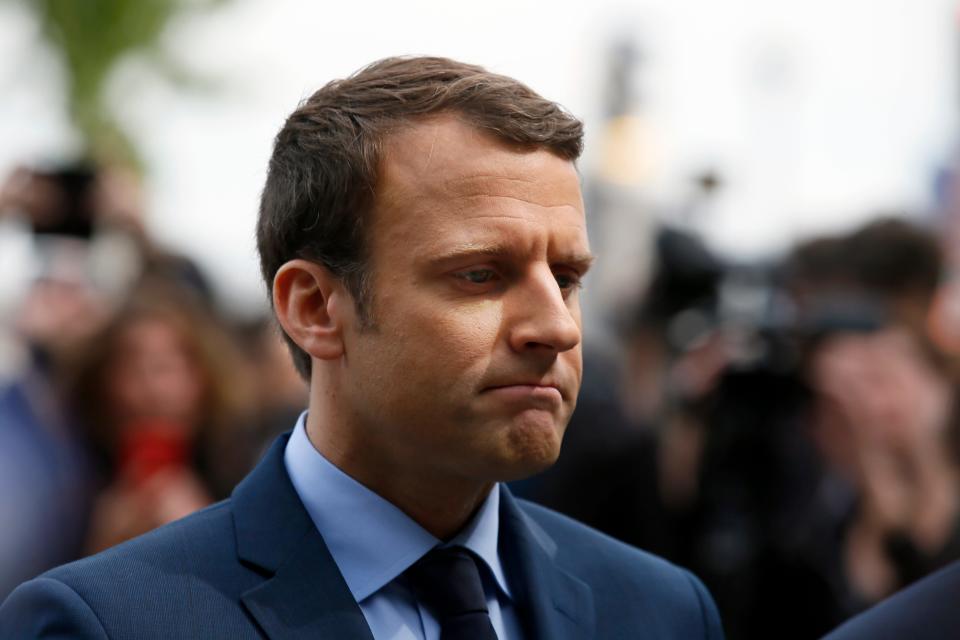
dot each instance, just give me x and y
(477, 276)
(568, 281)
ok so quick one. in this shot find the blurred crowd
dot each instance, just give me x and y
(789, 431)
(128, 399)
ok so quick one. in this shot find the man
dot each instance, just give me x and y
(927, 610)
(422, 233)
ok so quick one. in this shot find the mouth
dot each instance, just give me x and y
(535, 393)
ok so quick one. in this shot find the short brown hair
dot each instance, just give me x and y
(323, 173)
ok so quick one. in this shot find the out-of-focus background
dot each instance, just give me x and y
(773, 323)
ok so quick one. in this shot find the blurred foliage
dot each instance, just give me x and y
(92, 38)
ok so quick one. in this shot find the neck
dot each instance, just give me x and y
(439, 503)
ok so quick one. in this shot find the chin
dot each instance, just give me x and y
(531, 446)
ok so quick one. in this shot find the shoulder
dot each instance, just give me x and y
(186, 562)
(46, 607)
(925, 611)
(658, 592)
(581, 547)
(199, 540)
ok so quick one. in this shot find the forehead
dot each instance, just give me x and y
(442, 177)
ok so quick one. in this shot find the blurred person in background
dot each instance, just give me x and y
(885, 421)
(159, 394)
(885, 414)
(52, 302)
(888, 424)
(788, 431)
(72, 243)
(829, 478)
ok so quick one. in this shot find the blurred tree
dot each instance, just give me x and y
(92, 38)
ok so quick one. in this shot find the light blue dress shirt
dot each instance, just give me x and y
(373, 543)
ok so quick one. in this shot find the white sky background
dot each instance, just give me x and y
(817, 112)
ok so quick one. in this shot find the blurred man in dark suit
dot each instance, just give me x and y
(926, 610)
(422, 233)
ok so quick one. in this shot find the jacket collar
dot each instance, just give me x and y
(304, 594)
(554, 604)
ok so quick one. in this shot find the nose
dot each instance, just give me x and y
(542, 319)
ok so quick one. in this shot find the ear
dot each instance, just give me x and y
(311, 305)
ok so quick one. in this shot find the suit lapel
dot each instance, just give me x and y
(304, 594)
(553, 604)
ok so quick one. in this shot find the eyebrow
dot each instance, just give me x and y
(579, 260)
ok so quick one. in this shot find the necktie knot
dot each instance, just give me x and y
(447, 583)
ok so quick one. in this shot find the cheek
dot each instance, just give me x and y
(124, 390)
(458, 336)
(465, 336)
(443, 354)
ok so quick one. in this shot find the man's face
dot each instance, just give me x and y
(473, 364)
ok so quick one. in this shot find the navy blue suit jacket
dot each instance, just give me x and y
(254, 566)
(927, 610)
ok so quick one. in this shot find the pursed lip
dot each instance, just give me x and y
(531, 386)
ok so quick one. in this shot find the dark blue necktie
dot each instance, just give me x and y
(447, 583)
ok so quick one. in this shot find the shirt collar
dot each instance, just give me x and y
(370, 539)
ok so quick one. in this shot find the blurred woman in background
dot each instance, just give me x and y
(161, 395)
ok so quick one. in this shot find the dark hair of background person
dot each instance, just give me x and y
(218, 452)
(889, 257)
(897, 259)
(322, 176)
